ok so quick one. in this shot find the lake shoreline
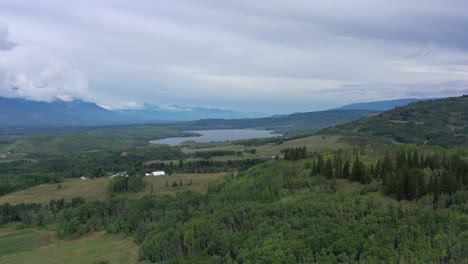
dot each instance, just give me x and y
(218, 135)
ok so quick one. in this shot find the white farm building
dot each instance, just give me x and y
(155, 173)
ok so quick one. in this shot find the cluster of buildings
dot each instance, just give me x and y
(154, 173)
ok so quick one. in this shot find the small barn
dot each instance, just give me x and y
(158, 173)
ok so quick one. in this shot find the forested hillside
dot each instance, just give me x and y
(337, 203)
(302, 210)
(381, 105)
(441, 122)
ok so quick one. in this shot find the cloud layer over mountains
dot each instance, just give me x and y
(268, 56)
(31, 73)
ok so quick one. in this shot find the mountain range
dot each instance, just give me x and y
(150, 113)
(16, 112)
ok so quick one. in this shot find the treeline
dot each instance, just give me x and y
(35, 168)
(14, 182)
(294, 153)
(216, 153)
(411, 175)
(405, 174)
(132, 182)
(260, 141)
(34, 214)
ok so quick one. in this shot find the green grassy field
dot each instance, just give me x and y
(90, 190)
(216, 158)
(199, 183)
(34, 246)
(95, 189)
(88, 139)
(312, 143)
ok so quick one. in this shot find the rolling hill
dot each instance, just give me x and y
(380, 105)
(287, 124)
(441, 122)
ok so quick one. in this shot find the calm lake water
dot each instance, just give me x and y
(218, 135)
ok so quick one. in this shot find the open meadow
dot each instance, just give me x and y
(95, 189)
(37, 246)
(312, 143)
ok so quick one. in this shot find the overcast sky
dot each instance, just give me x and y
(265, 56)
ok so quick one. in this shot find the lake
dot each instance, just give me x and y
(218, 135)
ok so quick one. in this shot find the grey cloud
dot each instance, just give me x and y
(294, 50)
(376, 91)
(419, 22)
(33, 73)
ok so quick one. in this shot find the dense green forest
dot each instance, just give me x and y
(291, 212)
(441, 122)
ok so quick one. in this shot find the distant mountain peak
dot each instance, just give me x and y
(151, 112)
(18, 112)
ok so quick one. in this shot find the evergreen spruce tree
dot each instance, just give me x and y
(346, 173)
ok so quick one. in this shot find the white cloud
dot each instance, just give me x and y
(34, 74)
(125, 105)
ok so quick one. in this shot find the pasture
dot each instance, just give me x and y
(35, 246)
(95, 189)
